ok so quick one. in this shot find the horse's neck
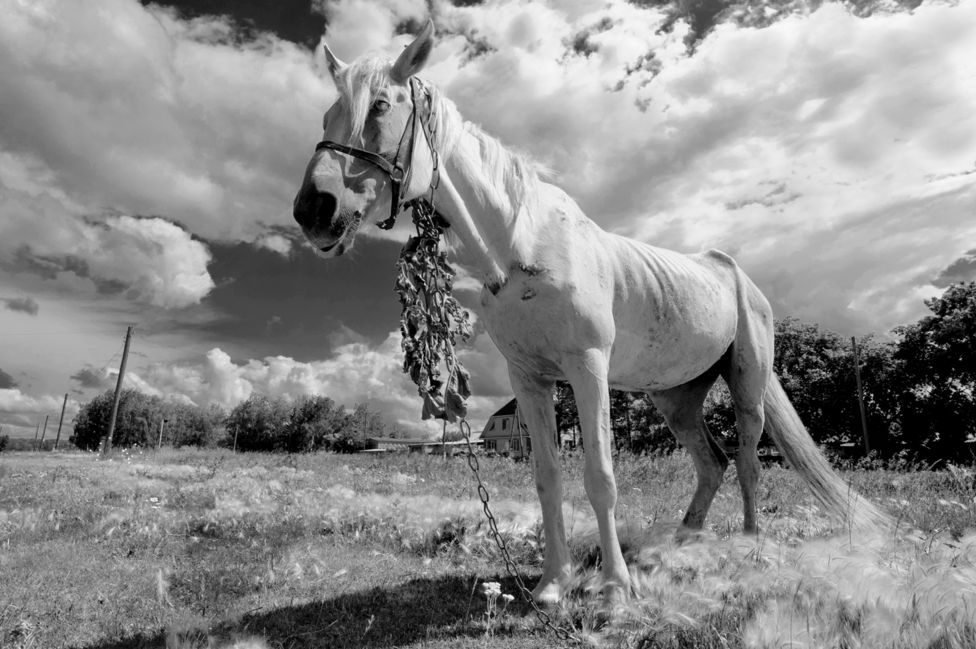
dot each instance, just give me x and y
(482, 217)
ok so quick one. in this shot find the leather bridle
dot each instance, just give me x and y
(399, 169)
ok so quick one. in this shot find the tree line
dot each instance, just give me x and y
(259, 423)
(919, 389)
(919, 398)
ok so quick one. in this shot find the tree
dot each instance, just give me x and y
(187, 424)
(651, 433)
(362, 424)
(133, 425)
(257, 424)
(937, 357)
(567, 417)
(635, 422)
(816, 368)
(315, 423)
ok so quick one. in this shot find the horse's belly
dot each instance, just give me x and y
(670, 342)
(640, 363)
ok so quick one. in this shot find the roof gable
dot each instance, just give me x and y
(508, 409)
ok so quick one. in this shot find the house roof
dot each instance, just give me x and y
(507, 409)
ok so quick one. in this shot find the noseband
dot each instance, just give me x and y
(399, 169)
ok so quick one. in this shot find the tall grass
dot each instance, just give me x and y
(208, 548)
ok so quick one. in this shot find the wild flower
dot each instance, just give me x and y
(492, 591)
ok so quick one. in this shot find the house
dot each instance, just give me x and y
(505, 434)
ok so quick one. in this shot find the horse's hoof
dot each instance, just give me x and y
(614, 595)
(547, 594)
(686, 534)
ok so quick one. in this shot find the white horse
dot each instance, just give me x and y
(564, 300)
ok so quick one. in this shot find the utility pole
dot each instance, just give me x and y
(61, 421)
(44, 431)
(107, 447)
(159, 444)
(860, 397)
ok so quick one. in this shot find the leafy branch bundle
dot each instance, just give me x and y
(432, 321)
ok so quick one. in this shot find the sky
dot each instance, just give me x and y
(149, 155)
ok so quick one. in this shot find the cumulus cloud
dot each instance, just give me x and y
(149, 260)
(356, 372)
(21, 304)
(90, 378)
(275, 243)
(23, 410)
(139, 111)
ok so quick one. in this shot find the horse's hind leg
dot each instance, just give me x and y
(682, 409)
(536, 407)
(747, 372)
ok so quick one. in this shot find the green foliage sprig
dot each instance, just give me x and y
(432, 321)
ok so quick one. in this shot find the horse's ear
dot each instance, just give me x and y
(334, 62)
(414, 57)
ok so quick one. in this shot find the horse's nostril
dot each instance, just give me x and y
(325, 208)
(316, 211)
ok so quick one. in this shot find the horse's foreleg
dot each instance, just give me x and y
(588, 376)
(536, 408)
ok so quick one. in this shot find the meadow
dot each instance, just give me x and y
(192, 549)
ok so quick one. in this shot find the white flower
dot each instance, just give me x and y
(491, 588)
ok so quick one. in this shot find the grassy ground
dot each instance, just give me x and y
(201, 549)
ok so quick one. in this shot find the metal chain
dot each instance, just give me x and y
(510, 565)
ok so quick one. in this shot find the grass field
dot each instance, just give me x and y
(193, 549)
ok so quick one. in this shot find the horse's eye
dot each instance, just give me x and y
(381, 106)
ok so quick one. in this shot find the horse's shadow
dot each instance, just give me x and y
(417, 610)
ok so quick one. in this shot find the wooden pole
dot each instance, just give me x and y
(107, 447)
(44, 431)
(365, 416)
(159, 444)
(860, 397)
(61, 421)
(444, 439)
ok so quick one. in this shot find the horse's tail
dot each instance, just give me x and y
(791, 437)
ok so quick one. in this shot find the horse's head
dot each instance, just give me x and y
(371, 137)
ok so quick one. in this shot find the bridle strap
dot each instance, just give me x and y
(399, 169)
(362, 154)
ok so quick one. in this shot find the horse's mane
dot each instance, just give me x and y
(499, 175)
